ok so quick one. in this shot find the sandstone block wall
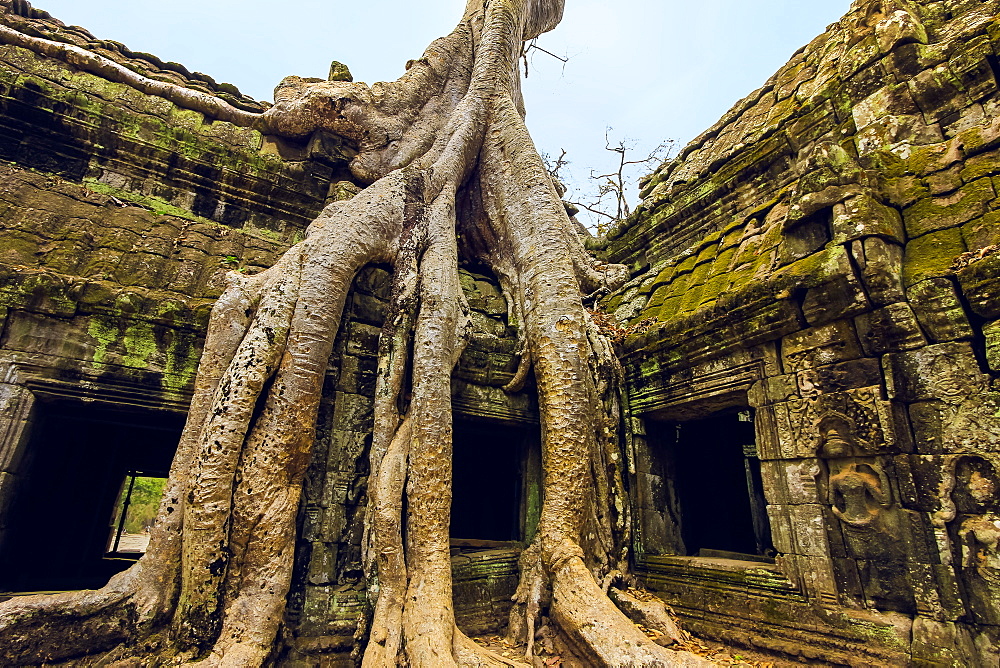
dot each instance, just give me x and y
(827, 255)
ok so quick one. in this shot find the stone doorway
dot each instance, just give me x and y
(61, 520)
(490, 464)
(714, 493)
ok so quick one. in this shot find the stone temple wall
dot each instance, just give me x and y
(821, 274)
(826, 257)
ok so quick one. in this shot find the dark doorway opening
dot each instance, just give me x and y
(61, 523)
(716, 476)
(488, 462)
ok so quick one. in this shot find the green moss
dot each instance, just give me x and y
(154, 204)
(667, 310)
(710, 240)
(732, 235)
(134, 341)
(981, 232)
(978, 166)
(723, 261)
(665, 275)
(707, 253)
(816, 269)
(264, 233)
(686, 266)
(18, 247)
(991, 333)
(182, 361)
(943, 212)
(690, 300)
(701, 272)
(905, 190)
(929, 158)
(864, 216)
(612, 304)
(740, 278)
(888, 164)
(715, 286)
(931, 255)
(657, 298)
(152, 121)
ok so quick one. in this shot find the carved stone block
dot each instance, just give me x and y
(864, 217)
(890, 328)
(886, 584)
(946, 371)
(955, 409)
(939, 310)
(766, 433)
(841, 297)
(992, 334)
(840, 377)
(16, 404)
(853, 423)
(816, 346)
(880, 262)
(943, 643)
(791, 481)
(848, 581)
(975, 532)
(799, 529)
(980, 283)
(813, 575)
(780, 388)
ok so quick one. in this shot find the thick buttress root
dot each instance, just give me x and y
(447, 156)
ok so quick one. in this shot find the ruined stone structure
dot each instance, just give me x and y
(814, 452)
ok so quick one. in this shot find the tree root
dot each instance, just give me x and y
(446, 152)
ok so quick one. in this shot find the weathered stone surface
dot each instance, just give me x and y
(980, 283)
(890, 328)
(799, 529)
(772, 253)
(991, 332)
(939, 311)
(881, 264)
(955, 410)
(822, 345)
(931, 256)
(815, 380)
(863, 216)
(940, 213)
(791, 482)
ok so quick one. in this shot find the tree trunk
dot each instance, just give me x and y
(447, 137)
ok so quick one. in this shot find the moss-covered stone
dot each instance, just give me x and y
(939, 213)
(931, 255)
(991, 332)
(982, 232)
(980, 284)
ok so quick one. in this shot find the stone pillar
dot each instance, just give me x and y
(16, 411)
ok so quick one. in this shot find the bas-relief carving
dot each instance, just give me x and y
(954, 407)
(975, 528)
(857, 489)
(863, 413)
(869, 533)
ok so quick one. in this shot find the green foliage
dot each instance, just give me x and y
(143, 503)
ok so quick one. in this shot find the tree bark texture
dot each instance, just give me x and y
(451, 173)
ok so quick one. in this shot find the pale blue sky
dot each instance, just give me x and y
(650, 69)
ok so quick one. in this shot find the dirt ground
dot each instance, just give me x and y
(552, 655)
